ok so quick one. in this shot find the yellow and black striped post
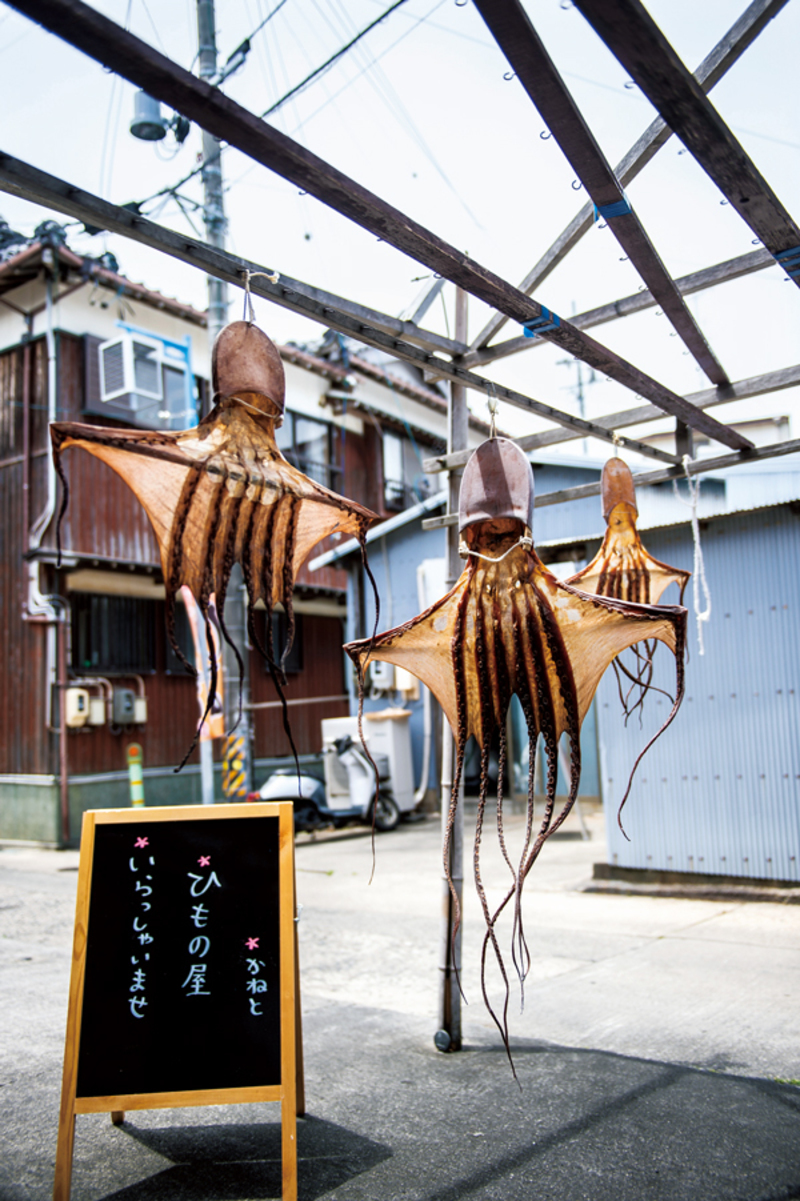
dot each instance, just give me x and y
(135, 777)
(234, 778)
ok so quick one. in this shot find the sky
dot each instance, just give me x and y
(421, 113)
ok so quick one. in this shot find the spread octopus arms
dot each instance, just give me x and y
(596, 629)
(422, 646)
(510, 628)
(152, 466)
(625, 570)
(223, 493)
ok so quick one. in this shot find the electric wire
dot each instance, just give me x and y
(330, 61)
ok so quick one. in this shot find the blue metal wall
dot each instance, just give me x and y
(719, 793)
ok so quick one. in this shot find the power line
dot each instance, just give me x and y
(318, 71)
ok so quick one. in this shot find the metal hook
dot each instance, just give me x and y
(578, 182)
(723, 202)
(603, 225)
(545, 134)
(756, 241)
(461, 3)
(624, 258)
(659, 313)
(629, 84)
(566, 5)
(508, 75)
(301, 193)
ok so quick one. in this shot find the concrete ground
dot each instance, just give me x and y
(657, 1053)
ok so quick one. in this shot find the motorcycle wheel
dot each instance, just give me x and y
(386, 815)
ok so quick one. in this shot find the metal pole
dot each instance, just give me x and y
(213, 201)
(239, 747)
(214, 218)
(448, 1036)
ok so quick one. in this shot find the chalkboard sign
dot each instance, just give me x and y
(183, 984)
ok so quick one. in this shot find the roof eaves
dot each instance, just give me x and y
(94, 272)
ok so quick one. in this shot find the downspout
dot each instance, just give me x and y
(51, 611)
(26, 442)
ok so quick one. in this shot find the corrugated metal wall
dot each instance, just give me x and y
(25, 746)
(719, 793)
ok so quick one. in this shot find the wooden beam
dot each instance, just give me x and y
(726, 52)
(755, 385)
(637, 42)
(32, 184)
(645, 479)
(697, 281)
(91, 32)
(515, 35)
(21, 179)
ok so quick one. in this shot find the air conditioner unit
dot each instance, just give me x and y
(145, 380)
(131, 366)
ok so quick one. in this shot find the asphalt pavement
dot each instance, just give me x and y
(656, 1055)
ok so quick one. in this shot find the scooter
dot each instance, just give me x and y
(350, 767)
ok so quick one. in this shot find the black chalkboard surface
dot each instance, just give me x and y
(183, 988)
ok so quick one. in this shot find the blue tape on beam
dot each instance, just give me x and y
(618, 208)
(540, 325)
(789, 260)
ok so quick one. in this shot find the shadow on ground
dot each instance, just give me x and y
(231, 1162)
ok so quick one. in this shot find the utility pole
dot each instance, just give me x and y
(238, 749)
(213, 200)
(448, 1036)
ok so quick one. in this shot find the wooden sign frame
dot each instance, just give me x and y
(290, 1091)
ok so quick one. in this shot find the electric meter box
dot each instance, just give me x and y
(140, 710)
(381, 675)
(97, 711)
(123, 709)
(77, 707)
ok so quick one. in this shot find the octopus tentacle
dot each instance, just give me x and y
(502, 1026)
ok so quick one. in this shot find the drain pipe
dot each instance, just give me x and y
(52, 611)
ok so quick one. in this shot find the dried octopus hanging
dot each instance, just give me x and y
(622, 568)
(509, 627)
(223, 493)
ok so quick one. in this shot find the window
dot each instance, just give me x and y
(404, 481)
(183, 637)
(113, 633)
(307, 444)
(280, 630)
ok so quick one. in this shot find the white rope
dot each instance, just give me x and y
(699, 576)
(249, 314)
(464, 551)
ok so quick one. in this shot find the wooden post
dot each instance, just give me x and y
(448, 1036)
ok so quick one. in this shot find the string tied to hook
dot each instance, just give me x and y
(249, 314)
(617, 440)
(525, 540)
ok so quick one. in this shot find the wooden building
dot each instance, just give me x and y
(79, 342)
